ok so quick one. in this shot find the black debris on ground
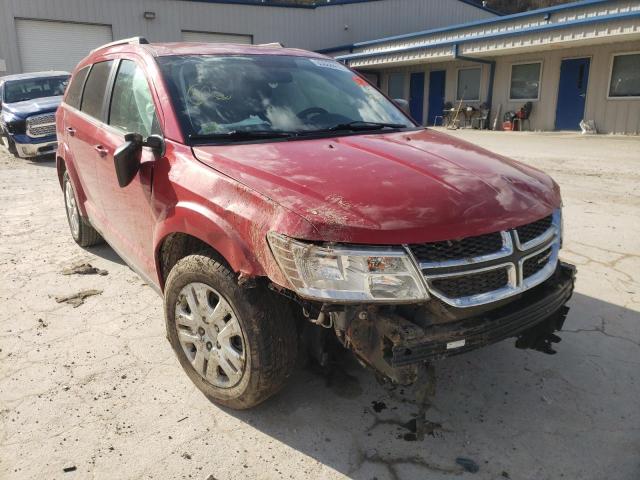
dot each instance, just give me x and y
(468, 464)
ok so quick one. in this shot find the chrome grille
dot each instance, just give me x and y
(534, 264)
(467, 285)
(457, 249)
(521, 259)
(41, 125)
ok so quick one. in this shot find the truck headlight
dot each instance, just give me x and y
(344, 273)
(17, 127)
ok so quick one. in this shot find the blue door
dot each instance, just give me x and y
(416, 96)
(572, 93)
(436, 94)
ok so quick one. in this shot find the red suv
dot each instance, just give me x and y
(281, 204)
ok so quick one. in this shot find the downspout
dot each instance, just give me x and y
(492, 75)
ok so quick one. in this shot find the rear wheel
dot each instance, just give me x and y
(81, 231)
(237, 345)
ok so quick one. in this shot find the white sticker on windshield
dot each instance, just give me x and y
(328, 64)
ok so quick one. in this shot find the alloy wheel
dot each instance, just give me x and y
(72, 209)
(210, 335)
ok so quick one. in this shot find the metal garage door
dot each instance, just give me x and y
(208, 37)
(45, 45)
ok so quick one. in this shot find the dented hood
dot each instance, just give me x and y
(390, 188)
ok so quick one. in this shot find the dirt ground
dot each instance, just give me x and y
(98, 388)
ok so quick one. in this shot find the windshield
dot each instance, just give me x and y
(246, 95)
(30, 88)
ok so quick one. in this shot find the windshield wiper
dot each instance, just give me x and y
(359, 125)
(242, 135)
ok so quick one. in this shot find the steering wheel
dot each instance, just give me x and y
(307, 112)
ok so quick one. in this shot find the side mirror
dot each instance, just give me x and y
(402, 104)
(126, 158)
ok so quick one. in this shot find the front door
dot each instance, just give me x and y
(436, 94)
(416, 96)
(127, 212)
(572, 93)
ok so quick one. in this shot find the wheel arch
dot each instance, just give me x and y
(192, 228)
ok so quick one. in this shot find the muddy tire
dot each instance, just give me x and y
(11, 145)
(81, 230)
(237, 345)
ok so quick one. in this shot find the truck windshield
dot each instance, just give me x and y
(253, 96)
(31, 88)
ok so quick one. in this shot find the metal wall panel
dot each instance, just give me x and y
(209, 37)
(39, 43)
(610, 115)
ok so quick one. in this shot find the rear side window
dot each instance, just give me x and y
(74, 92)
(132, 109)
(95, 89)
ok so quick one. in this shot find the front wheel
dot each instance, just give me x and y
(237, 345)
(9, 143)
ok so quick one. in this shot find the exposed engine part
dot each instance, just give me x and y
(372, 338)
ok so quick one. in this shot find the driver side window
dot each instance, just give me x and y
(132, 109)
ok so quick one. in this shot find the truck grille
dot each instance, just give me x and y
(41, 125)
(487, 268)
(457, 249)
(467, 285)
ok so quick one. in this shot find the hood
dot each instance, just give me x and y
(390, 188)
(33, 107)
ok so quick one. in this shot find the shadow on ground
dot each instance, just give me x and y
(516, 414)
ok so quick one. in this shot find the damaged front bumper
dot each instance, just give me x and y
(396, 342)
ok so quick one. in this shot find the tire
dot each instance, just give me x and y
(268, 336)
(81, 230)
(11, 146)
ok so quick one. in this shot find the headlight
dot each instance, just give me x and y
(18, 127)
(348, 274)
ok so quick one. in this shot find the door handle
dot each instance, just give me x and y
(71, 131)
(101, 150)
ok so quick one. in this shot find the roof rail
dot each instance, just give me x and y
(123, 41)
(270, 45)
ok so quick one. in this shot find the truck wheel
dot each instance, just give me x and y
(238, 345)
(81, 231)
(11, 146)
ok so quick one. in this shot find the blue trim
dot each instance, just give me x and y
(320, 3)
(338, 48)
(524, 31)
(479, 5)
(284, 3)
(504, 18)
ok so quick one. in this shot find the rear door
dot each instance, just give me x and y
(82, 115)
(128, 213)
